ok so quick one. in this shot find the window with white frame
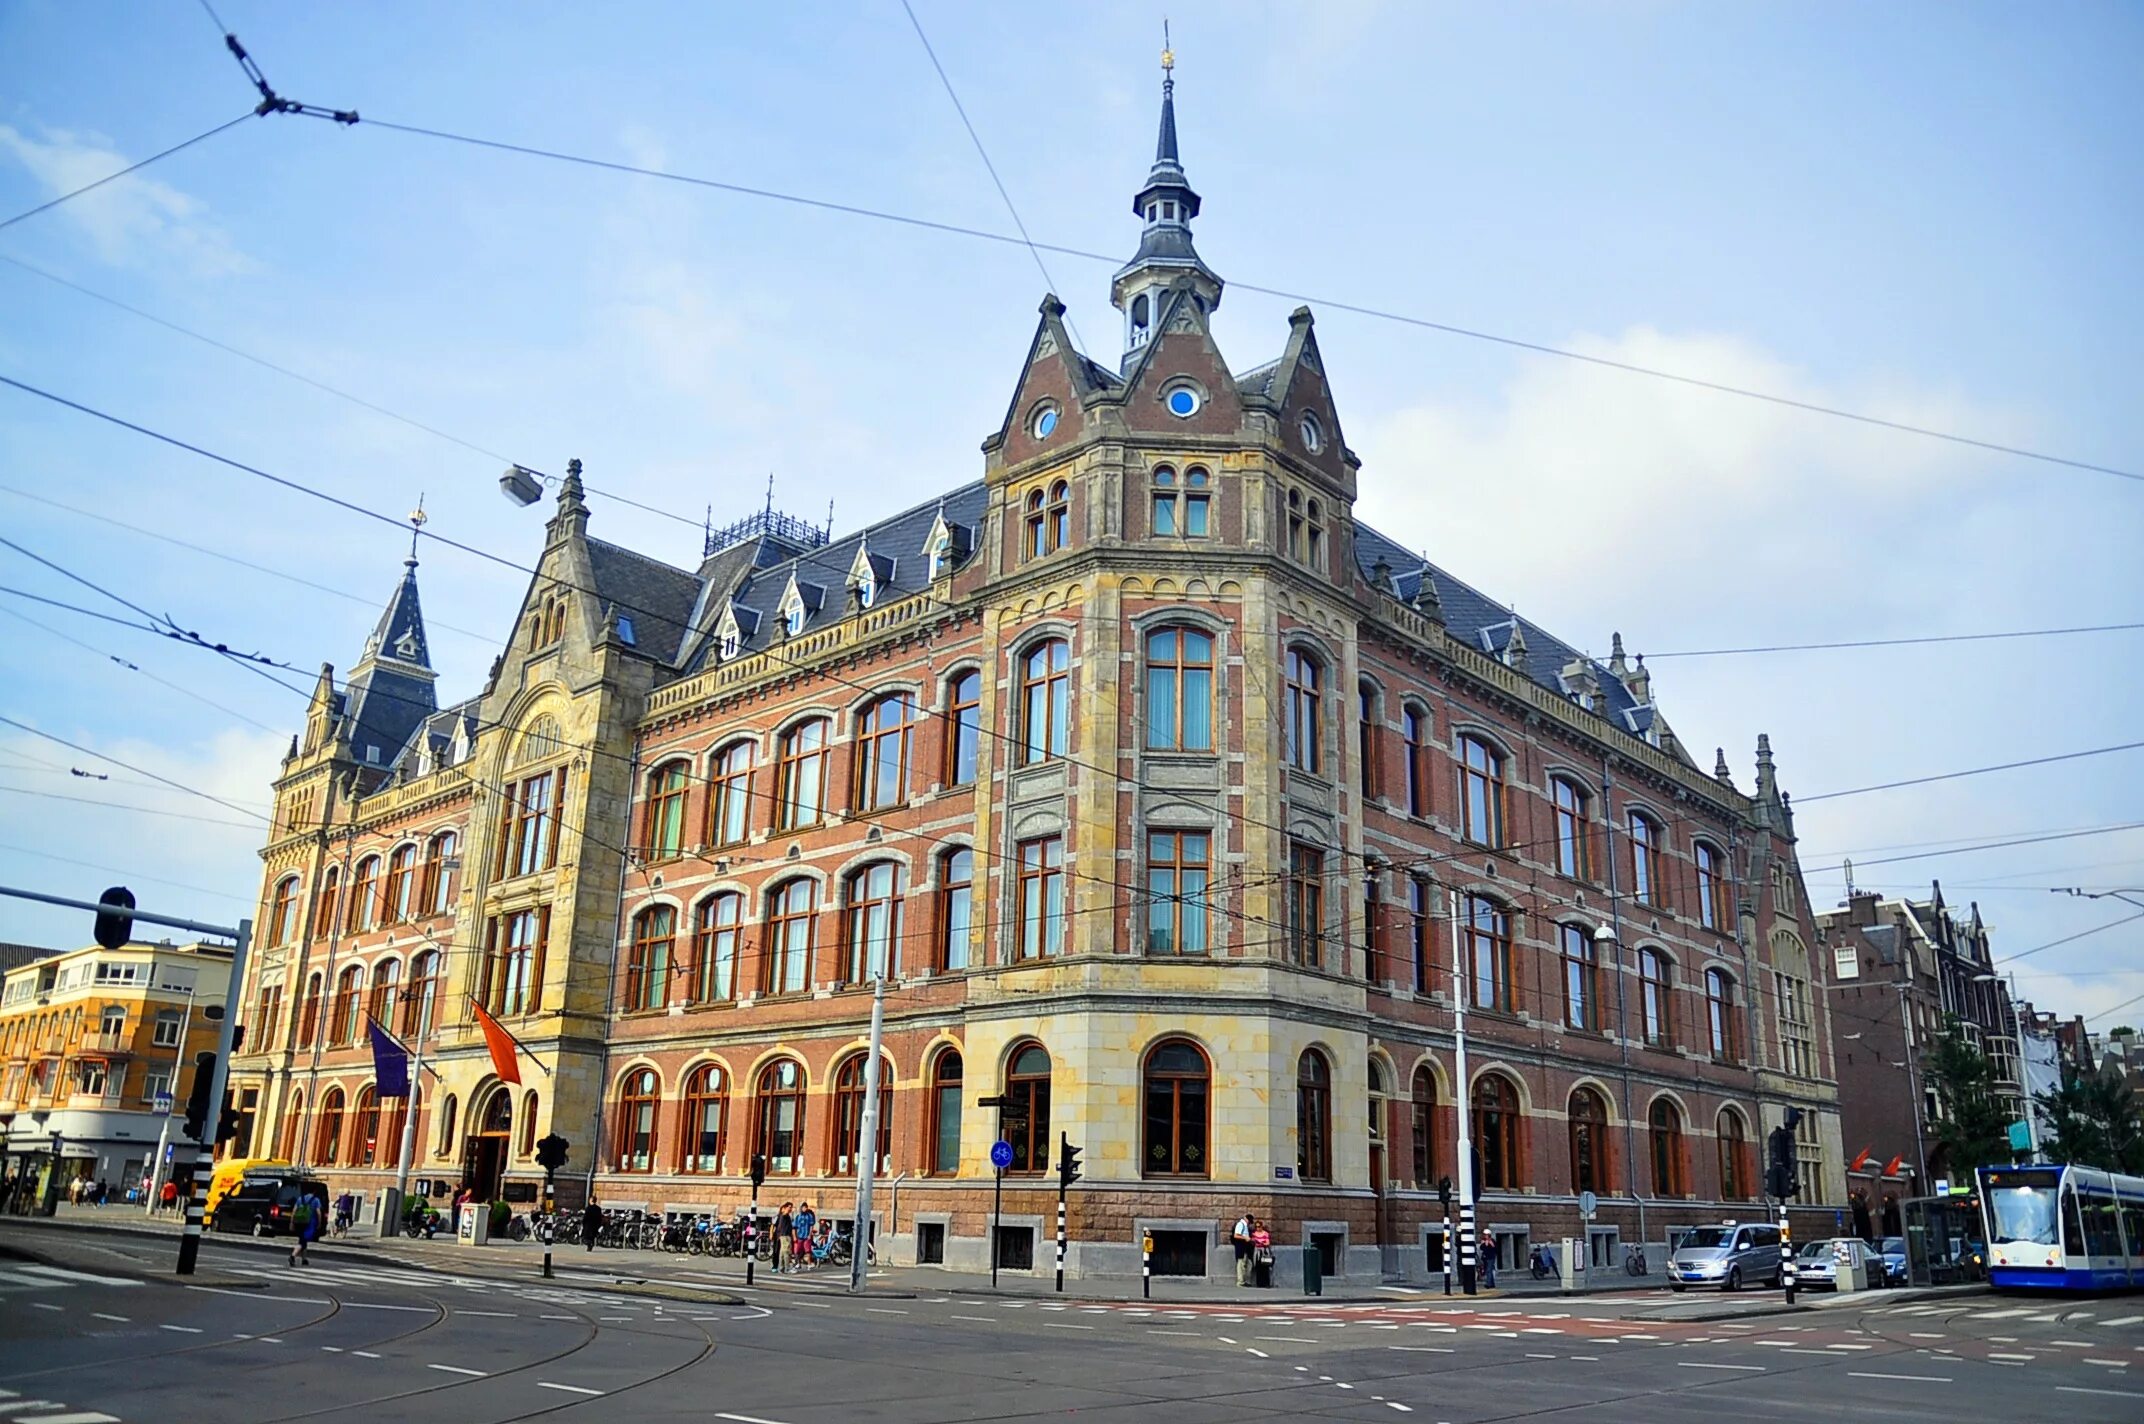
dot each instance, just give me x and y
(1809, 1159)
(1797, 1032)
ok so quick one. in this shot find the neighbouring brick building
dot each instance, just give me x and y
(1144, 773)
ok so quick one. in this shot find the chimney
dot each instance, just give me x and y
(1861, 909)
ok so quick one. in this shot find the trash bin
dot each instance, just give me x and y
(1262, 1270)
(1313, 1276)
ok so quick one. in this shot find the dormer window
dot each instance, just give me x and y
(866, 591)
(793, 619)
(941, 555)
(729, 646)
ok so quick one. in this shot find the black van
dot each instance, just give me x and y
(262, 1205)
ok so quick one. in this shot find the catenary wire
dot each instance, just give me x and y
(129, 766)
(132, 807)
(1952, 775)
(136, 668)
(129, 874)
(1899, 642)
(130, 168)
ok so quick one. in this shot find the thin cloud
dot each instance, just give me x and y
(135, 221)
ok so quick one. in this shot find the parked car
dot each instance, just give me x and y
(1816, 1265)
(1729, 1256)
(1893, 1251)
(261, 1203)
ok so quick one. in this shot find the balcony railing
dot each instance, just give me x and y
(119, 1041)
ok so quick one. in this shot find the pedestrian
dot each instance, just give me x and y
(1239, 1238)
(785, 1230)
(591, 1223)
(304, 1222)
(806, 1221)
(168, 1196)
(1261, 1254)
(1488, 1259)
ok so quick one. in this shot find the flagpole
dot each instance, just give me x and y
(409, 1131)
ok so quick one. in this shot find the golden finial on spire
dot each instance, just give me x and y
(1168, 55)
(416, 527)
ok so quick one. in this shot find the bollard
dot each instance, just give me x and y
(1146, 1266)
(1447, 1250)
(1787, 1269)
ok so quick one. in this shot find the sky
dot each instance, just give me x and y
(1925, 213)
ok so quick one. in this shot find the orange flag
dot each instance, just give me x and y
(1890, 1170)
(501, 1044)
(1862, 1160)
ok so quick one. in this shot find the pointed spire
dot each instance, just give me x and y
(1515, 646)
(1616, 663)
(1165, 142)
(399, 636)
(1767, 774)
(1166, 204)
(1640, 683)
(1426, 599)
(571, 520)
(1719, 766)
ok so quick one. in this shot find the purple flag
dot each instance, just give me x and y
(390, 1064)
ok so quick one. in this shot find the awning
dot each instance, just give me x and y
(69, 1149)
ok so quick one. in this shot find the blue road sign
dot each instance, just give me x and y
(1001, 1155)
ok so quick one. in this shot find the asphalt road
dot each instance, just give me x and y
(355, 1341)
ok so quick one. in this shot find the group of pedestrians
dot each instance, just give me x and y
(800, 1238)
(1253, 1244)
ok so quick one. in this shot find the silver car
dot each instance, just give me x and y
(1729, 1256)
(1816, 1265)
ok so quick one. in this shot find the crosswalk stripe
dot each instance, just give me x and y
(61, 1273)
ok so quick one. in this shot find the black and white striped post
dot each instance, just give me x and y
(1444, 1192)
(1060, 1240)
(1467, 1185)
(1146, 1265)
(1789, 1273)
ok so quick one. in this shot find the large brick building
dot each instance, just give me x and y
(1143, 771)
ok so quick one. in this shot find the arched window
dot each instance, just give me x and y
(324, 909)
(964, 727)
(365, 894)
(1481, 792)
(663, 832)
(792, 928)
(1589, 1141)
(849, 1116)
(1179, 690)
(647, 963)
(401, 898)
(1366, 739)
(293, 1127)
(1492, 980)
(1647, 879)
(365, 1131)
(715, 929)
(1306, 904)
(1037, 527)
(945, 1113)
(1196, 500)
(1177, 866)
(418, 1003)
(706, 1121)
(1733, 1144)
(1497, 1132)
(528, 1123)
(1314, 536)
(1720, 1016)
(1711, 886)
(1574, 847)
(386, 981)
(872, 923)
(956, 907)
(446, 1127)
(1176, 1085)
(309, 1013)
(728, 807)
(1045, 701)
(1656, 997)
(1581, 979)
(780, 1135)
(1027, 1083)
(1379, 1092)
(638, 1099)
(1299, 722)
(1060, 516)
(883, 735)
(1414, 727)
(283, 911)
(1313, 1117)
(1423, 1110)
(436, 895)
(1669, 1178)
(1042, 897)
(1164, 502)
(800, 774)
(342, 1018)
(327, 1130)
(1295, 525)
(393, 1121)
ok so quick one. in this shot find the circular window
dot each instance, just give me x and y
(1313, 434)
(1183, 401)
(1045, 422)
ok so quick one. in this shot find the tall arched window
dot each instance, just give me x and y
(1574, 843)
(309, 1013)
(1042, 897)
(956, 907)
(1656, 997)
(365, 1131)
(330, 901)
(1589, 1141)
(1647, 879)
(1196, 501)
(1314, 536)
(849, 1116)
(386, 982)
(1497, 1132)
(1733, 1144)
(945, 1113)
(1045, 701)
(730, 799)
(1163, 519)
(418, 1003)
(392, 1122)
(1176, 1083)
(365, 894)
(528, 1123)
(801, 774)
(1313, 1117)
(1177, 865)
(283, 911)
(1669, 1178)
(1414, 727)
(1423, 1112)
(706, 1122)
(401, 899)
(663, 832)
(1299, 722)
(1060, 515)
(964, 728)
(1720, 1016)
(1366, 740)
(638, 1098)
(883, 737)
(1492, 980)
(780, 1126)
(436, 895)
(1581, 979)
(1481, 788)
(1295, 525)
(327, 1130)
(446, 1126)
(1027, 1083)
(342, 1018)
(715, 929)
(1038, 538)
(1179, 690)
(1711, 886)
(872, 924)
(792, 929)
(647, 964)
(293, 1126)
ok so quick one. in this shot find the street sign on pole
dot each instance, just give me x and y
(1001, 1155)
(1588, 1204)
(162, 1103)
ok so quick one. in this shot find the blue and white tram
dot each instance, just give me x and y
(2063, 1228)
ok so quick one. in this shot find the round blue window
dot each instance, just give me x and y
(1045, 422)
(1183, 401)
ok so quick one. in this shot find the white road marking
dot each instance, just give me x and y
(1705, 1365)
(2115, 1393)
(1535, 1355)
(1589, 1359)
(1924, 1335)
(1402, 1408)
(747, 1419)
(1192, 1334)
(2116, 1364)
(496, 1314)
(102, 1316)
(1418, 1350)
(365, 1354)
(1259, 1353)
(332, 1349)
(77, 1418)
(555, 1317)
(1917, 1379)
(1055, 1325)
(61, 1273)
(1290, 1339)
(883, 1310)
(182, 1329)
(373, 1305)
(1998, 1355)
(2123, 1320)
(456, 1370)
(568, 1388)
(992, 1320)
(41, 1305)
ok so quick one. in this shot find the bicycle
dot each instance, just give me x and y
(1634, 1261)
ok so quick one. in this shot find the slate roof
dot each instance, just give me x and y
(648, 601)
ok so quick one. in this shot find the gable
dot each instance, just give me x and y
(1181, 353)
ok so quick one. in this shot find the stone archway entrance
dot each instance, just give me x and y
(484, 1153)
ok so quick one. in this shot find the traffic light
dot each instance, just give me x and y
(551, 1152)
(114, 926)
(1782, 1179)
(1067, 1162)
(759, 1171)
(197, 1100)
(1444, 1192)
(228, 1122)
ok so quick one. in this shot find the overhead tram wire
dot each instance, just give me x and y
(130, 168)
(137, 770)
(1953, 775)
(130, 807)
(132, 875)
(136, 668)
(1899, 642)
